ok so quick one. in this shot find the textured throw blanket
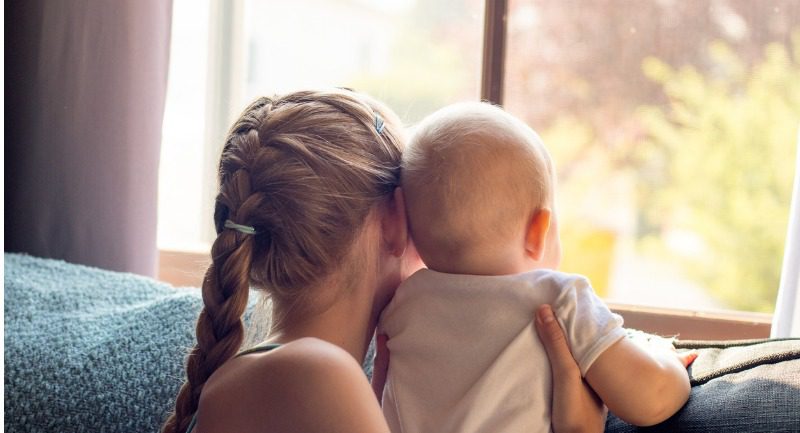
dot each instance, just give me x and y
(88, 350)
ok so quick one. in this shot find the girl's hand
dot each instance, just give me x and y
(380, 366)
(576, 408)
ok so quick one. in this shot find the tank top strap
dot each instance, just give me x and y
(260, 348)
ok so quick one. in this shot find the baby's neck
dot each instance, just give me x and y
(484, 262)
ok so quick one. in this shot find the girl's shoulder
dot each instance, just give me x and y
(306, 362)
(300, 386)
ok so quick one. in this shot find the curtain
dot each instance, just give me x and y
(85, 89)
(786, 320)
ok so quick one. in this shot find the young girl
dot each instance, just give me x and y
(310, 213)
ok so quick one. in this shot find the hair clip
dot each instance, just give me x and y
(379, 123)
(248, 230)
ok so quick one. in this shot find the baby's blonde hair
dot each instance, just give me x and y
(473, 175)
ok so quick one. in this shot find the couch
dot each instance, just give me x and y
(88, 350)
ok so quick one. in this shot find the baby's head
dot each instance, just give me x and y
(479, 188)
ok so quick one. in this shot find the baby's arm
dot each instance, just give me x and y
(642, 387)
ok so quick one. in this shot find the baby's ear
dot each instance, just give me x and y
(536, 233)
(394, 226)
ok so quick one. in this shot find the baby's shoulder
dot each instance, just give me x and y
(557, 280)
(558, 288)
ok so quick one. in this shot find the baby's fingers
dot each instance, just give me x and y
(686, 358)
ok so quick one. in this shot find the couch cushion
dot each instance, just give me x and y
(737, 386)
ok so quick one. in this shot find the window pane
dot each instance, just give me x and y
(415, 56)
(181, 164)
(673, 125)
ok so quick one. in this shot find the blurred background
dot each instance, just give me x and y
(673, 123)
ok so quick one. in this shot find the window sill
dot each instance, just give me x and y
(183, 268)
(695, 325)
(186, 268)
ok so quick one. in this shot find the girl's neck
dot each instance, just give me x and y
(347, 320)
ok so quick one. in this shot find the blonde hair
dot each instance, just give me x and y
(472, 175)
(304, 170)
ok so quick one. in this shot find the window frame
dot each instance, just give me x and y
(187, 268)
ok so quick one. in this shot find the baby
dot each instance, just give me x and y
(464, 357)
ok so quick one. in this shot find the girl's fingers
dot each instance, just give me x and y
(553, 339)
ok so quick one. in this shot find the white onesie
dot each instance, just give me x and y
(465, 357)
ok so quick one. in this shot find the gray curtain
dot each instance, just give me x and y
(85, 87)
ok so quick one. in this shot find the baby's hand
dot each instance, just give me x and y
(651, 342)
(687, 358)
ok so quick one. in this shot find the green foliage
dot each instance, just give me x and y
(718, 163)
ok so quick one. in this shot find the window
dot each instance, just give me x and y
(673, 123)
(183, 135)
(413, 56)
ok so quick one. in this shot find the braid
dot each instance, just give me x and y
(304, 171)
(219, 329)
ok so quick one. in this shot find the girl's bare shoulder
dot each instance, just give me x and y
(304, 385)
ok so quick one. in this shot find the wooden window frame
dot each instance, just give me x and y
(494, 51)
(186, 268)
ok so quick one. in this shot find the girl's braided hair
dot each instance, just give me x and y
(303, 170)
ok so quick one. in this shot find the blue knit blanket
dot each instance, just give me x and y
(88, 350)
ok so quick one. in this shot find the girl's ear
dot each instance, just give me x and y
(536, 234)
(394, 226)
